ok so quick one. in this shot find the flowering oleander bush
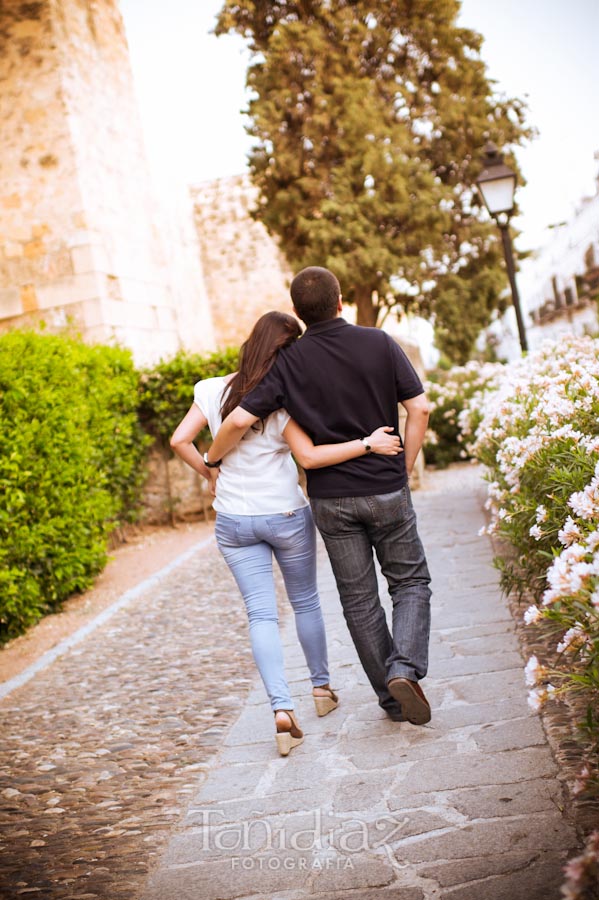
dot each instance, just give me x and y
(582, 872)
(448, 393)
(536, 429)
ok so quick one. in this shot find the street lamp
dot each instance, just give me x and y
(496, 184)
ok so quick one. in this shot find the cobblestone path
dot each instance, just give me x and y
(148, 750)
(100, 752)
(467, 808)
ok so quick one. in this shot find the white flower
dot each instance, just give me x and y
(550, 595)
(569, 533)
(538, 696)
(533, 671)
(581, 782)
(532, 615)
(586, 503)
(580, 575)
(534, 699)
(572, 639)
(574, 553)
(541, 514)
(592, 444)
(536, 532)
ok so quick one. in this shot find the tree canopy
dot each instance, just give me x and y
(369, 123)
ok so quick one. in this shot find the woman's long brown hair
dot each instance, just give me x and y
(272, 332)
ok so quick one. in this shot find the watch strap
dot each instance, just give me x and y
(211, 465)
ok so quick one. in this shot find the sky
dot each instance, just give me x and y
(191, 92)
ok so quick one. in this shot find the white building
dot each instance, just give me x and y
(558, 284)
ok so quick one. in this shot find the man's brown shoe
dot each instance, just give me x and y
(414, 705)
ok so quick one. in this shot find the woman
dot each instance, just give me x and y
(262, 510)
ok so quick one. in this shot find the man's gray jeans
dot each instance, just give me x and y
(351, 527)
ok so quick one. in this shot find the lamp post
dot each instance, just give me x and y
(496, 184)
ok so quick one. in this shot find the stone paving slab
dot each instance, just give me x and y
(467, 807)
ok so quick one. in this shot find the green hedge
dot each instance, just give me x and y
(75, 424)
(71, 467)
(166, 390)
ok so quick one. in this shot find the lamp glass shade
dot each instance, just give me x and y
(498, 193)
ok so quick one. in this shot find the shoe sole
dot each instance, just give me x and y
(286, 743)
(325, 705)
(413, 707)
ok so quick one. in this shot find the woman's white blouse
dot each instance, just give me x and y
(259, 476)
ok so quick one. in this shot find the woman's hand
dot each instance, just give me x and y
(312, 456)
(384, 443)
(212, 478)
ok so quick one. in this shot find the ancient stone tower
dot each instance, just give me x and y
(82, 237)
(245, 273)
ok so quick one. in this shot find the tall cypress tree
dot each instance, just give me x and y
(369, 122)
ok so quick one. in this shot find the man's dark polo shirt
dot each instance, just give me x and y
(340, 382)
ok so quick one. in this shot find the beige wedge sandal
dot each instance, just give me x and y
(289, 734)
(325, 703)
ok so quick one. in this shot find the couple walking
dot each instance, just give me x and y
(330, 399)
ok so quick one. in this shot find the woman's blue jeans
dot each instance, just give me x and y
(247, 544)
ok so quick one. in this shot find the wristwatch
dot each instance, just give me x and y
(212, 465)
(366, 444)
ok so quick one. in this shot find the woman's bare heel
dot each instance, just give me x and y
(325, 703)
(289, 734)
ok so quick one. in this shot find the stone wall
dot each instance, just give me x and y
(245, 273)
(173, 491)
(82, 237)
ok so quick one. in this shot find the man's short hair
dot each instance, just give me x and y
(315, 293)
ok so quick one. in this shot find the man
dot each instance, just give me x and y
(339, 382)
